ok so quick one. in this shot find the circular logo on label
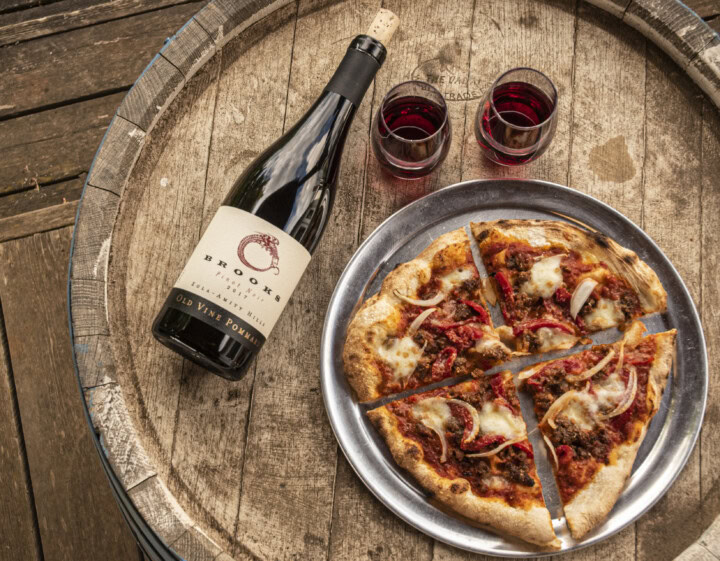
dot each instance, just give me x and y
(265, 243)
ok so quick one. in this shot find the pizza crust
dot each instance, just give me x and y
(533, 524)
(592, 504)
(622, 261)
(379, 317)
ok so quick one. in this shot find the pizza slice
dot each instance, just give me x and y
(556, 282)
(594, 409)
(428, 322)
(467, 445)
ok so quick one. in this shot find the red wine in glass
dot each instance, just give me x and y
(411, 132)
(516, 120)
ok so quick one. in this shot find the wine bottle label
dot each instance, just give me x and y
(240, 276)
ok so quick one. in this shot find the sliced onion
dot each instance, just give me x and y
(552, 450)
(580, 295)
(488, 290)
(525, 374)
(475, 418)
(422, 303)
(557, 407)
(418, 321)
(443, 442)
(627, 399)
(621, 357)
(498, 449)
(589, 373)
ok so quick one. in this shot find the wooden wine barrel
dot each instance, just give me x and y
(209, 469)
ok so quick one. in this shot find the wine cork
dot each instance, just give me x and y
(383, 26)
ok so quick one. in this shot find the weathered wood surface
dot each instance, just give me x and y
(250, 491)
(18, 529)
(32, 278)
(65, 15)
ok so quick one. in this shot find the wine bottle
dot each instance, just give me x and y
(254, 251)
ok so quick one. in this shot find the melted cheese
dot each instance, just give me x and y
(495, 482)
(433, 412)
(553, 339)
(456, 278)
(606, 314)
(581, 411)
(545, 277)
(496, 419)
(401, 355)
(610, 391)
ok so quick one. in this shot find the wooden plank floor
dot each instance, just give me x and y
(55, 502)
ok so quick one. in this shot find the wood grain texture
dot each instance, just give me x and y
(696, 552)
(704, 8)
(151, 94)
(705, 68)
(615, 7)
(77, 515)
(155, 504)
(710, 304)
(673, 28)
(89, 316)
(54, 144)
(109, 415)
(96, 55)
(70, 14)
(36, 198)
(608, 147)
(18, 527)
(673, 103)
(116, 156)
(710, 539)
(224, 19)
(95, 364)
(92, 233)
(41, 220)
(189, 49)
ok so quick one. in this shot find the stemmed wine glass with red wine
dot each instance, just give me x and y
(411, 131)
(516, 119)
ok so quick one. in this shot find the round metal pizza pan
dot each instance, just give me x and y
(672, 432)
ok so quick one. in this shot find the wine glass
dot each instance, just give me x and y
(411, 131)
(516, 119)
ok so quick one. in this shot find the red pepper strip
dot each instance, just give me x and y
(464, 414)
(452, 325)
(479, 309)
(442, 367)
(506, 288)
(482, 442)
(535, 324)
(525, 447)
(639, 361)
(565, 454)
(496, 382)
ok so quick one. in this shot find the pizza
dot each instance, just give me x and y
(467, 445)
(428, 322)
(556, 283)
(594, 409)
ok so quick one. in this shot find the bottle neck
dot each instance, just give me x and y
(357, 69)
